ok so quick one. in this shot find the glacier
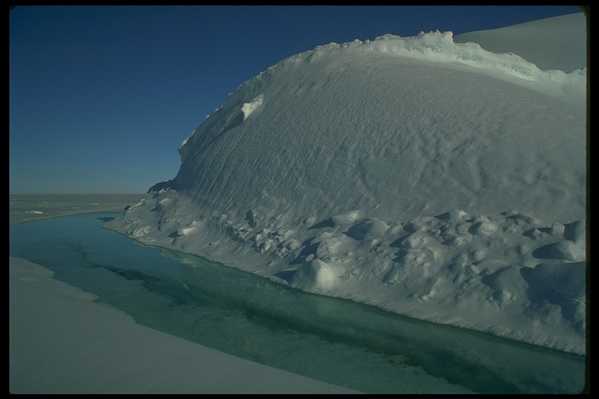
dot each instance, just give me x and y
(426, 177)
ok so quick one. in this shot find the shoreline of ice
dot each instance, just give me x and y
(63, 342)
(376, 262)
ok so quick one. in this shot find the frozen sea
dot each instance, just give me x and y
(29, 207)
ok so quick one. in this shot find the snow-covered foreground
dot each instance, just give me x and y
(427, 177)
(63, 342)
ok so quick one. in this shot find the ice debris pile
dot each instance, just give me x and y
(509, 274)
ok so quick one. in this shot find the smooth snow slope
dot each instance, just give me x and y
(551, 43)
(426, 177)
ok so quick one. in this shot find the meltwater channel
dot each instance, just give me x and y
(332, 340)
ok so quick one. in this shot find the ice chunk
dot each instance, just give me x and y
(347, 218)
(316, 274)
(368, 229)
(193, 228)
(184, 142)
(142, 231)
(484, 228)
(566, 250)
(249, 107)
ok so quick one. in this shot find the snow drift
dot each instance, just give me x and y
(426, 177)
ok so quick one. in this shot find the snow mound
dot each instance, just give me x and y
(426, 177)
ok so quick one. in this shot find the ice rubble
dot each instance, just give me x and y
(428, 178)
(509, 274)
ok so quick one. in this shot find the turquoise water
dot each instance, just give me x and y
(332, 340)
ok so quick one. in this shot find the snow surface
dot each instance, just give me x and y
(426, 177)
(61, 341)
(184, 142)
(249, 108)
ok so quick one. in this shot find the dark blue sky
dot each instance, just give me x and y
(101, 97)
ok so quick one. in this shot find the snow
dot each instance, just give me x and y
(193, 228)
(416, 174)
(142, 231)
(316, 273)
(61, 341)
(184, 142)
(566, 35)
(347, 218)
(250, 107)
(440, 47)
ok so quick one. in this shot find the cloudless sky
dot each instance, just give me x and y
(101, 97)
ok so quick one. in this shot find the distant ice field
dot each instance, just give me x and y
(28, 207)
